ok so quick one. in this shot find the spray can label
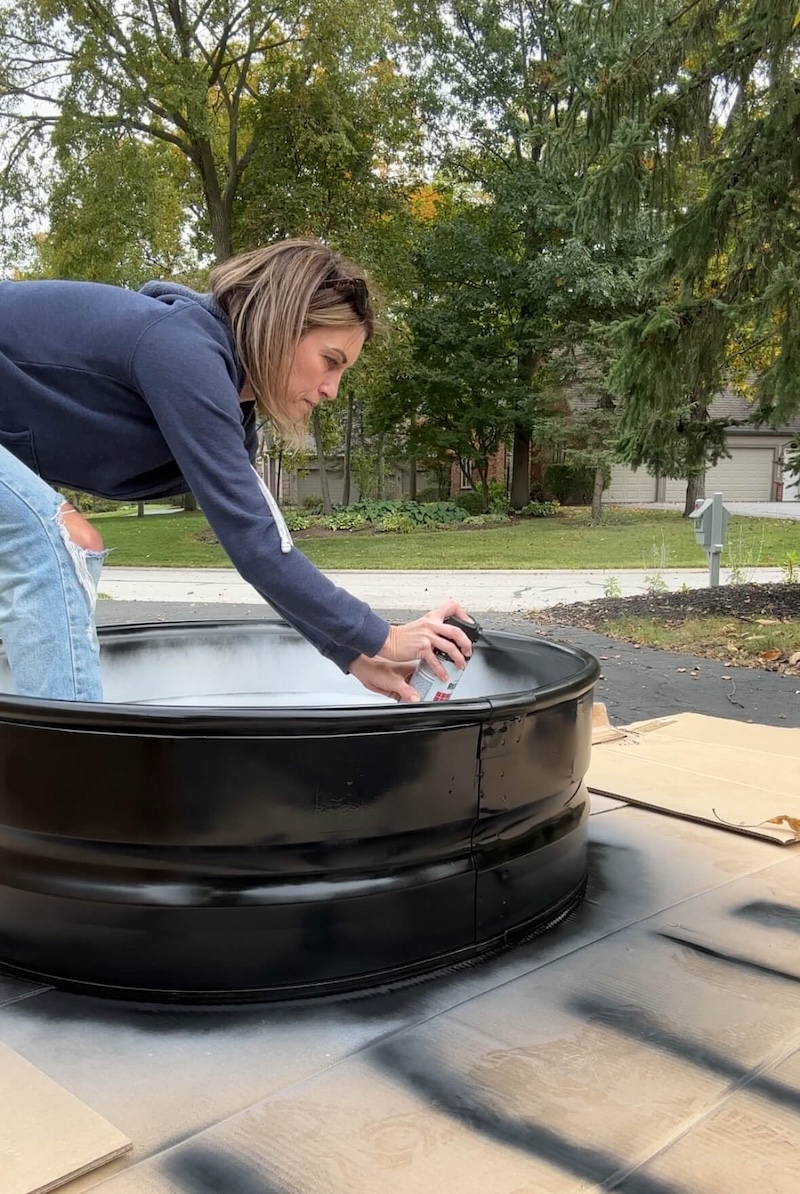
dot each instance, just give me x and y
(427, 684)
(430, 687)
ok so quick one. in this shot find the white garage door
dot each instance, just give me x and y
(674, 491)
(745, 476)
(630, 485)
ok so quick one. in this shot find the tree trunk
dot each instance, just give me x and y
(348, 447)
(597, 494)
(220, 221)
(327, 505)
(412, 479)
(218, 205)
(189, 502)
(483, 476)
(521, 456)
(380, 480)
(140, 509)
(521, 468)
(695, 489)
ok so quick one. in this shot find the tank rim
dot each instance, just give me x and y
(122, 717)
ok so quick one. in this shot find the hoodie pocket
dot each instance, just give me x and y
(20, 444)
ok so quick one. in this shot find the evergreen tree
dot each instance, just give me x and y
(694, 120)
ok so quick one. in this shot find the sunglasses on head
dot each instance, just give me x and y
(354, 291)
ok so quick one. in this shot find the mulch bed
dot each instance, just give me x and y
(743, 603)
(725, 601)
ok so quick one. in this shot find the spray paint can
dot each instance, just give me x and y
(427, 683)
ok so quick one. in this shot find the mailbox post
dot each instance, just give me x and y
(710, 528)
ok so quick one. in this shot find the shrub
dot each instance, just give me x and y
(346, 520)
(373, 511)
(483, 520)
(498, 498)
(429, 494)
(571, 484)
(539, 509)
(295, 519)
(312, 503)
(86, 504)
(471, 501)
(80, 501)
(441, 512)
(400, 523)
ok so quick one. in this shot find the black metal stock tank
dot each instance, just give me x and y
(240, 821)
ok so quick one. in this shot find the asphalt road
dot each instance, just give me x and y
(637, 682)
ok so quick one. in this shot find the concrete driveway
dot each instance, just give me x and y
(765, 509)
(789, 510)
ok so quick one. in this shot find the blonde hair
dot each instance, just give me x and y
(271, 297)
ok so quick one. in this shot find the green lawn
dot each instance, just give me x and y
(651, 539)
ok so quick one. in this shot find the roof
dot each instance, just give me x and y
(729, 404)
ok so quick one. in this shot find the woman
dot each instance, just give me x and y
(144, 395)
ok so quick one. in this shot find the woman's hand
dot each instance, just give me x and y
(419, 640)
(385, 677)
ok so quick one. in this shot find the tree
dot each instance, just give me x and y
(328, 160)
(335, 159)
(695, 120)
(116, 213)
(372, 424)
(792, 459)
(509, 98)
(319, 443)
(459, 394)
(191, 76)
(578, 423)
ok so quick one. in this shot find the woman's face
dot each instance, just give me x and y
(321, 358)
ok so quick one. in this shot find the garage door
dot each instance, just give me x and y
(745, 476)
(630, 485)
(674, 491)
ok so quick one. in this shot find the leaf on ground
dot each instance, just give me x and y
(792, 822)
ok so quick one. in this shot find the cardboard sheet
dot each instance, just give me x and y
(602, 729)
(729, 774)
(47, 1135)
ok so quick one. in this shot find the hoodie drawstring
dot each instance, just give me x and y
(283, 530)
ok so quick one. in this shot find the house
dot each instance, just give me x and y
(752, 473)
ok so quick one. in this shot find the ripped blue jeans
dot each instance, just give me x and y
(48, 591)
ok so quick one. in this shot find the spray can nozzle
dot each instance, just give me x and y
(471, 628)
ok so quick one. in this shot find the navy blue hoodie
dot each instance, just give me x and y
(136, 395)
